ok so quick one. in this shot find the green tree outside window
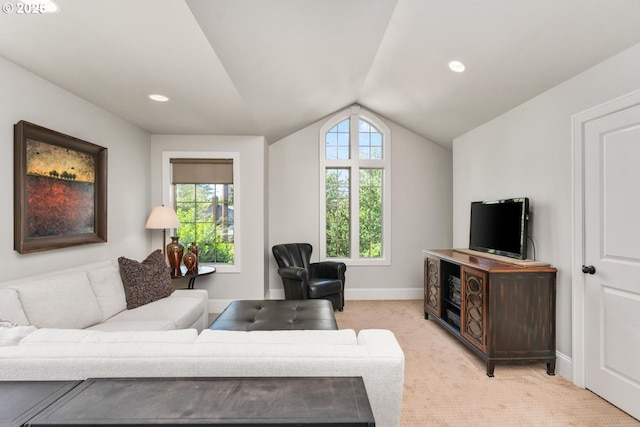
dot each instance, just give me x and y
(206, 218)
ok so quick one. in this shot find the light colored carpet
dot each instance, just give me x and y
(446, 384)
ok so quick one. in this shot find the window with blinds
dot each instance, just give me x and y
(203, 195)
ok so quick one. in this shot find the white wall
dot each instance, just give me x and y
(249, 283)
(421, 209)
(28, 97)
(528, 152)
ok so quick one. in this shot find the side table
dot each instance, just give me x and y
(203, 270)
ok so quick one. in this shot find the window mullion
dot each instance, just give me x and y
(355, 186)
(354, 212)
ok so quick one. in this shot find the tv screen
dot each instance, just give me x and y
(500, 227)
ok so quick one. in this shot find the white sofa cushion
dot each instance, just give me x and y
(107, 285)
(63, 301)
(10, 307)
(134, 325)
(183, 311)
(302, 337)
(12, 336)
(84, 336)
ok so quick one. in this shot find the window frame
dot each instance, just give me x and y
(168, 197)
(354, 164)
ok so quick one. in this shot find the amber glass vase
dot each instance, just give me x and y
(175, 250)
(194, 249)
(189, 261)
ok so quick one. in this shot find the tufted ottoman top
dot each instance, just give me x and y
(272, 315)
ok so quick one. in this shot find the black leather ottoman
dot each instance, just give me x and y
(280, 315)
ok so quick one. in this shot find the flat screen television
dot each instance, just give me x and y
(500, 227)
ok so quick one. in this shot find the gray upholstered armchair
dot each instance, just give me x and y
(303, 279)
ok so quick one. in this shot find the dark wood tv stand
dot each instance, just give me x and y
(503, 311)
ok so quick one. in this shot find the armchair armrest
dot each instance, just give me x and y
(328, 269)
(293, 273)
(295, 282)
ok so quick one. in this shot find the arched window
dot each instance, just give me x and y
(355, 188)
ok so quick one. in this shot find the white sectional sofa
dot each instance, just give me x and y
(92, 296)
(83, 332)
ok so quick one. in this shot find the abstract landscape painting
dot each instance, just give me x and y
(60, 190)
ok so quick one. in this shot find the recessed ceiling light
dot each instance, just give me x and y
(158, 97)
(456, 66)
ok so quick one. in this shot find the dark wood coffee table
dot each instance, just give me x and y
(21, 400)
(267, 401)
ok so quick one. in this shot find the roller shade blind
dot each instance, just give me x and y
(202, 171)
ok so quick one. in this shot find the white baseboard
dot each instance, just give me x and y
(384, 294)
(368, 294)
(564, 366)
(217, 305)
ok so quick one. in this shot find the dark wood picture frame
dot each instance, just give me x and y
(60, 190)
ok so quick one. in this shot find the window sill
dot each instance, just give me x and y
(223, 268)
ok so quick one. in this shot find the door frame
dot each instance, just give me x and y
(579, 121)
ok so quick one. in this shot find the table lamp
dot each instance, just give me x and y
(162, 217)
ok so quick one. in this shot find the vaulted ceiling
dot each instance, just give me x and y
(271, 67)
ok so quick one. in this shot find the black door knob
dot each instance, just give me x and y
(588, 269)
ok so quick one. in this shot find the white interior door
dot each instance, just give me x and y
(612, 257)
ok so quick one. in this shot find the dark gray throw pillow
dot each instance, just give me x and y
(146, 281)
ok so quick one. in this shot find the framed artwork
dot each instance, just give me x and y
(60, 190)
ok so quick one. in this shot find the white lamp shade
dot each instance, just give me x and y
(162, 217)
